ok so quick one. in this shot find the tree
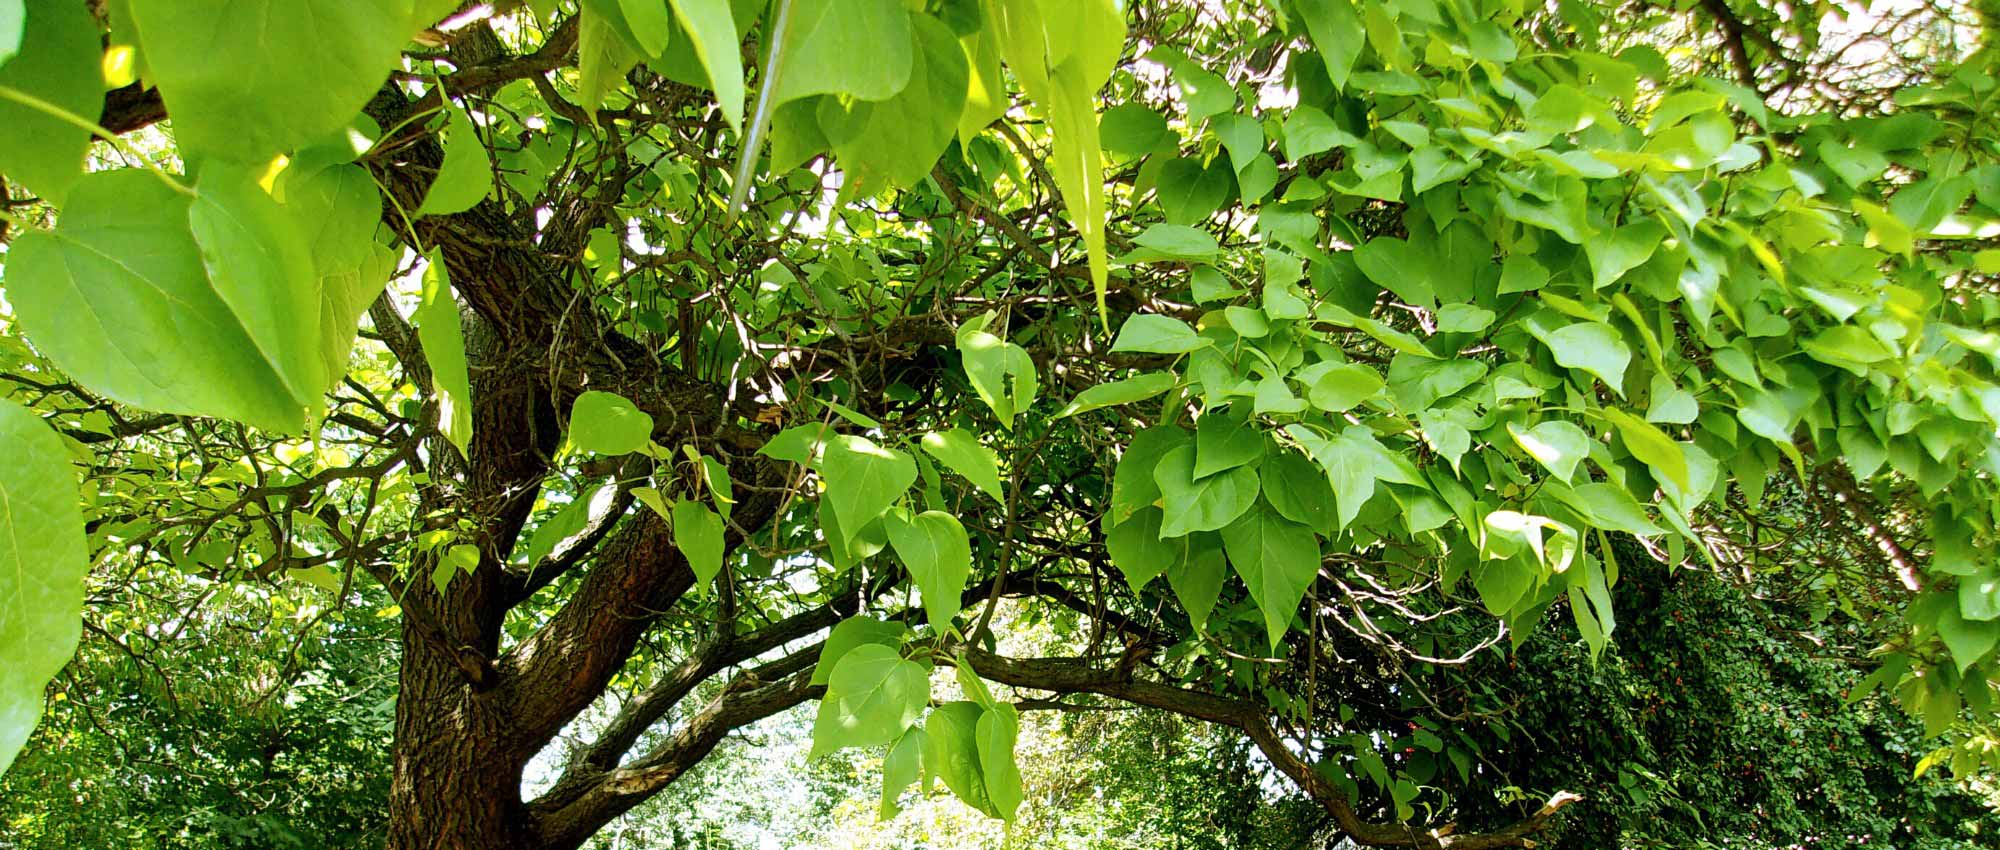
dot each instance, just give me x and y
(668, 365)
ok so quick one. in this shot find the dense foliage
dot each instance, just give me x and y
(652, 367)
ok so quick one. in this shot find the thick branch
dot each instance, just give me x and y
(750, 697)
(1073, 676)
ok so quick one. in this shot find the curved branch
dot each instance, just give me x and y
(1073, 675)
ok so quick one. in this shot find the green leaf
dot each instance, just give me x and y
(1156, 334)
(1337, 34)
(900, 769)
(896, 141)
(649, 24)
(1222, 442)
(1968, 640)
(1197, 579)
(1176, 242)
(1061, 60)
(1278, 559)
(1341, 386)
(1651, 446)
(1132, 484)
(459, 558)
(850, 633)
(1555, 444)
(117, 297)
(873, 695)
(800, 444)
(337, 208)
(603, 54)
(715, 476)
(962, 452)
(1503, 583)
(57, 64)
(1611, 507)
(863, 480)
(952, 733)
(466, 176)
(1622, 250)
(986, 97)
(565, 524)
(1979, 597)
(999, 726)
(1207, 504)
(1189, 192)
(1137, 550)
(1309, 131)
(13, 20)
(1119, 392)
(1351, 461)
(823, 38)
(1001, 373)
(245, 79)
(934, 547)
(260, 264)
(607, 423)
(1298, 489)
(439, 328)
(1134, 129)
(42, 567)
(1591, 346)
(717, 43)
(698, 534)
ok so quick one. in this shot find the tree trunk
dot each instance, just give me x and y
(457, 782)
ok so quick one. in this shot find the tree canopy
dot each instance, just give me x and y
(1357, 379)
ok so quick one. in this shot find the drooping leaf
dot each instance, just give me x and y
(1061, 60)
(603, 54)
(873, 696)
(246, 79)
(649, 24)
(336, 208)
(1205, 504)
(952, 733)
(698, 534)
(1197, 579)
(259, 263)
(1118, 392)
(999, 726)
(116, 295)
(443, 336)
(466, 176)
(962, 453)
(934, 547)
(1336, 31)
(1278, 559)
(1137, 550)
(894, 142)
(850, 633)
(711, 27)
(900, 769)
(42, 566)
(822, 39)
(608, 423)
(57, 64)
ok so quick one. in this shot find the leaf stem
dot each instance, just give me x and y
(68, 117)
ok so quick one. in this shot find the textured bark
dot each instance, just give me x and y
(457, 785)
